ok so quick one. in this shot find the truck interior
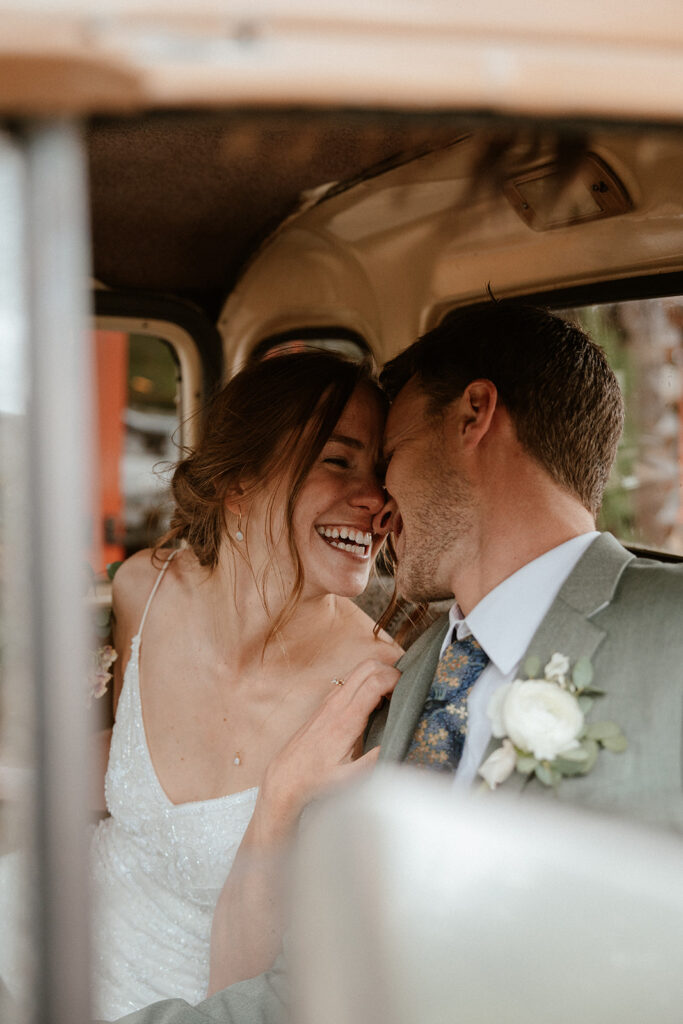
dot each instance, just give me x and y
(184, 188)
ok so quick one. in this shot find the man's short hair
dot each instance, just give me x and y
(555, 383)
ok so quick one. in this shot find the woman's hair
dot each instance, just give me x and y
(270, 421)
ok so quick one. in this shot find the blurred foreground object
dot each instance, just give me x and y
(412, 904)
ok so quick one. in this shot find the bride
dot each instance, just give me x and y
(228, 643)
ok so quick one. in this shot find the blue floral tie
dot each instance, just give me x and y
(440, 735)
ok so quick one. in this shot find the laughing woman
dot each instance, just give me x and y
(229, 641)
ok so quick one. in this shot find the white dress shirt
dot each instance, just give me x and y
(504, 623)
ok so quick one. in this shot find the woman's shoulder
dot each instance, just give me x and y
(133, 574)
(134, 581)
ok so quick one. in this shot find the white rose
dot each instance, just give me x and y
(557, 668)
(495, 710)
(539, 717)
(499, 765)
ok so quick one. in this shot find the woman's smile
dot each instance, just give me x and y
(347, 539)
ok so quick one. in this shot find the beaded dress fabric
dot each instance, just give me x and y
(157, 871)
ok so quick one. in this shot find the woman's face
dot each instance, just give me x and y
(332, 520)
(333, 515)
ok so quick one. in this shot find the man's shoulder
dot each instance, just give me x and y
(609, 573)
(649, 580)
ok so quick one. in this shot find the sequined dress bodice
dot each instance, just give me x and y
(157, 871)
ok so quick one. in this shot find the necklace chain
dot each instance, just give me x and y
(237, 759)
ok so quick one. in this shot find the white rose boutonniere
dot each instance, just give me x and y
(542, 723)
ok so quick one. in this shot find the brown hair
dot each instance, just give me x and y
(555, 383)
(273, 417)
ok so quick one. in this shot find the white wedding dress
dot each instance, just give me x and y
(157, 870)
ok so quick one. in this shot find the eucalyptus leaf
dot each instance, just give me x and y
(547, 775)
(593, 749)
(569, 767)
(578, 754)
(582, 676)
(615, 744)
(526, 763)
(602, 731)
(532, 667)
(112, 569)
(585, 703)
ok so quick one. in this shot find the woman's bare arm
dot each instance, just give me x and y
(247, 925)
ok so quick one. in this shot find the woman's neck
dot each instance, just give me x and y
(238, 617)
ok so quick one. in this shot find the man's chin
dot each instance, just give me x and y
(412, 587)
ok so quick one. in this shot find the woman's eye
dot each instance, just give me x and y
(337, 460)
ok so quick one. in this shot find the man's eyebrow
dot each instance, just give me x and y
(351, 442)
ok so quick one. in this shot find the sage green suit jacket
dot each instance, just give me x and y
(626, 615)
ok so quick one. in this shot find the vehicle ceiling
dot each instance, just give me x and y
(180, 201)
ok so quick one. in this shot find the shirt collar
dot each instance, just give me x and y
(506, 619)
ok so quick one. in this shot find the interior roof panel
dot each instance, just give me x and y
(179, 201)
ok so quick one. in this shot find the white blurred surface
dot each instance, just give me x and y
(413, 905)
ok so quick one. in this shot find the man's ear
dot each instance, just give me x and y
(477, 405)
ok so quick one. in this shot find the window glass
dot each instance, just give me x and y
(643, 340)
(137, 382)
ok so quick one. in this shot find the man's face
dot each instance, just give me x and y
(434, 504)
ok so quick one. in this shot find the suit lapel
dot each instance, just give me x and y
(567, 628)
(417, 667)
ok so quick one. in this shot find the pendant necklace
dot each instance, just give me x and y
(237, 759)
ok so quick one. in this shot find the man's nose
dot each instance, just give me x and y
(383, 521)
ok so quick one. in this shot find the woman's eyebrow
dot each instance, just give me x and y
(351, 442)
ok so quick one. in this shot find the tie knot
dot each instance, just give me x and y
(461, 664)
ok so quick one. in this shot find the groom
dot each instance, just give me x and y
(501, 435)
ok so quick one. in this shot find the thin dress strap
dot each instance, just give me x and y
(156, 587)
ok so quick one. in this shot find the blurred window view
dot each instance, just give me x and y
(137, 384)
(643, 340)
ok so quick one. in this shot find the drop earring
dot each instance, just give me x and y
(239, 535)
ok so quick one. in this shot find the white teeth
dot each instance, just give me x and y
(355, 549)
(357, 541)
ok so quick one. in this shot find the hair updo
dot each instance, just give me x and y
(272, 418)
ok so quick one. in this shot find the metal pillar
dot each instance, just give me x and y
(59, 440)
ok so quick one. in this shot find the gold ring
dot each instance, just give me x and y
(337, 682)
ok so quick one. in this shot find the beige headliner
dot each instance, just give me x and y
(388, 256)
(580, 59)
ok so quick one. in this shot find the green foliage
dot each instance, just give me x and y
(532, 667)
(152, 361)
(582, 675)
(547, 774)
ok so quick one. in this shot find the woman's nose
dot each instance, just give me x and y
(370, 495)
(383, 520)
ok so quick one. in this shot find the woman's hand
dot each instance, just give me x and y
(248, 921)
(320, 754)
